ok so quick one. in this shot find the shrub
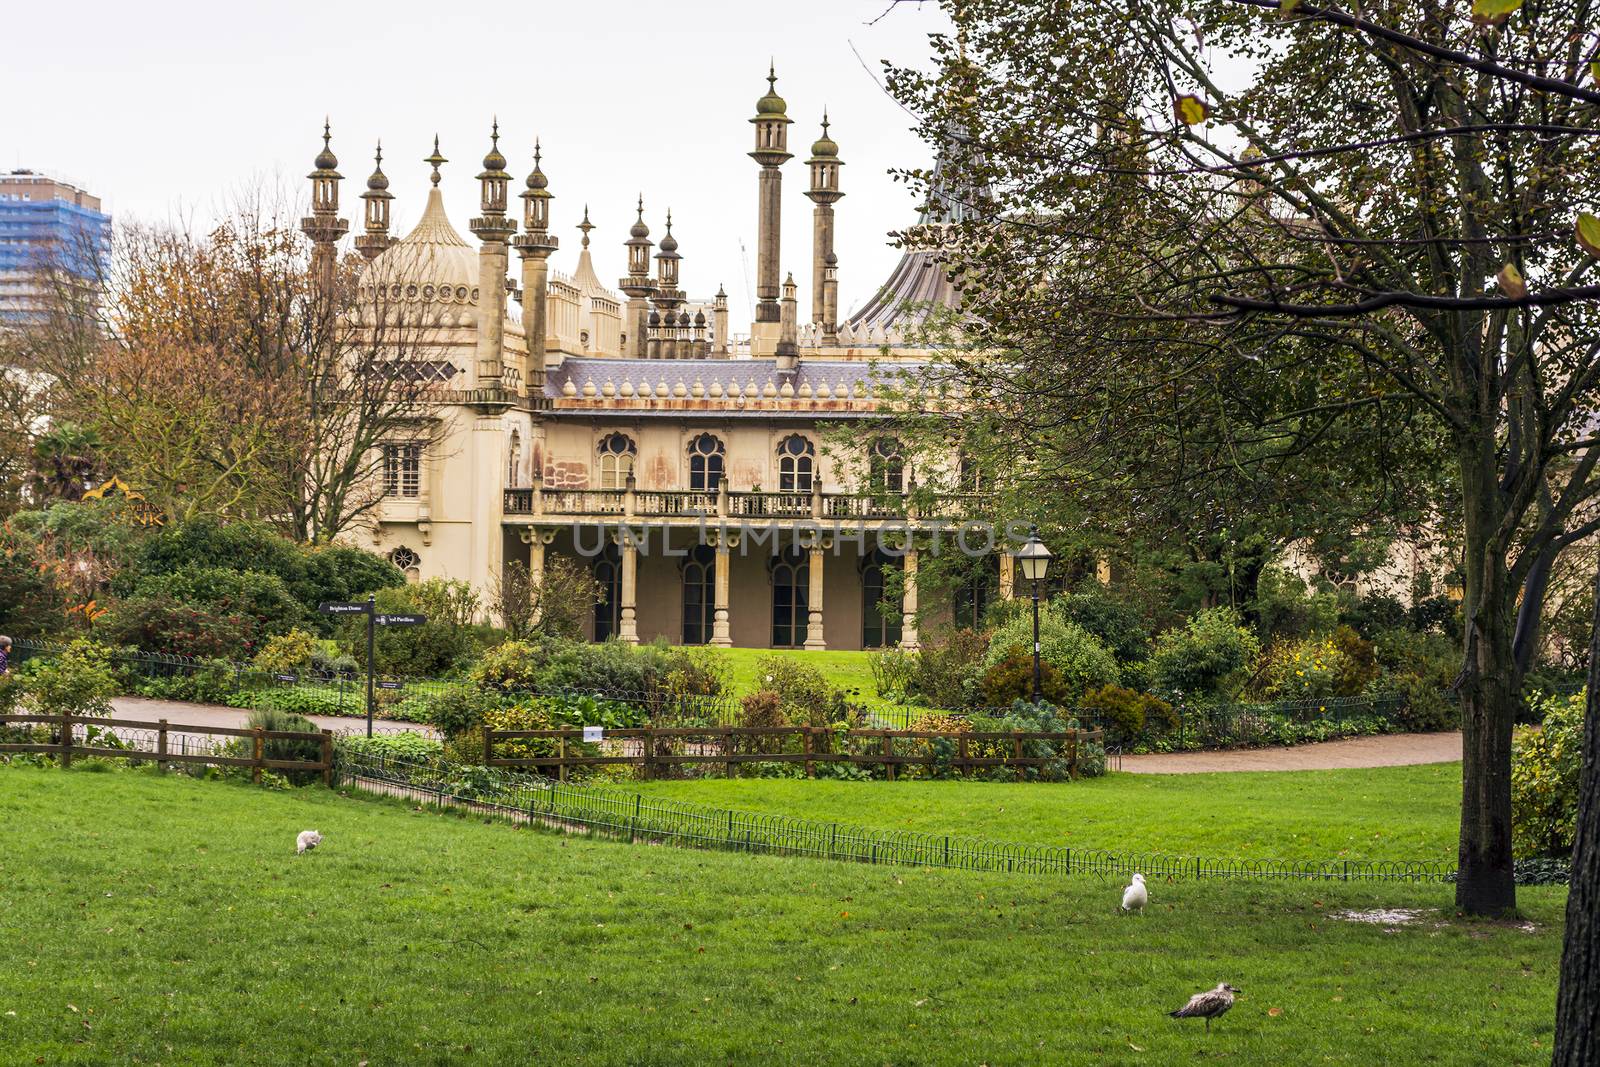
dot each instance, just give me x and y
(447, 640)
(808, 698)
(762, 710)
(1205, 655)
(609, 667)
(307, 700)
(203, 611)
(1309, 668)
(511, 667)
(1081, 661)
(212, 681)
(452, 710)
(1546, 763)
(892, 671)
(78, 680)
(1360, 664)
(406, 745)
(582, 710)
(291, 652)
(695, 672)
(1285, 609)
(308, 750)
(949, 670)
(1011, 679)
(527, 715)
(1420, 667)
(1118, 625)
(1127, 714)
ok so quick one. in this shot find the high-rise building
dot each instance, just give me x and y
(47, 224)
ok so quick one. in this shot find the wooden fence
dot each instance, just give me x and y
(65, 744)
(655, 750)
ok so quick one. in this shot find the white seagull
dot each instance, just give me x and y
(1212, 1004)
(308, 840)
(1136, 896)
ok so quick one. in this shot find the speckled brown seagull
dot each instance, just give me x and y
(1212, 1004)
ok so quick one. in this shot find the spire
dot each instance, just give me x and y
(326, 160)
(377, 198)
(435, 160)
(586, 226)
(492, 181)
(536, 198)
(324, 227)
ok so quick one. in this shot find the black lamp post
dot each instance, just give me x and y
(1034, 559)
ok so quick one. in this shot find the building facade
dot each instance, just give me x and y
(46, 223)
(722, 490)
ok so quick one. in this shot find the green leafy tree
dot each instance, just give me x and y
(1232, 233)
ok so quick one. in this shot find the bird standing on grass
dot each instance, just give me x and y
(1212, 1004)
(308, 840)
(1136, 896)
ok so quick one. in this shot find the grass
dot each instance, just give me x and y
(846, 670)
(1382, 813)
(161, 919)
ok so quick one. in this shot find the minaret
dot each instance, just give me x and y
(324, 227)
(668, 297)
(638, 287)
(377, 198)
(830, 300)
(719, 325)
(534, 245)
(493, 229)
(772, 140)
(824, 192)
(788, 327)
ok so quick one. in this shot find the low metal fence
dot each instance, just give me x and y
(538, 801)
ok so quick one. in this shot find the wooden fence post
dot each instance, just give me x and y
(488, 745)
(805, 741)
(161, 744)
(561, 771)
(727, 751)
(327, 758)
(66, 738)
(961, 753)
(260, 754)
(1016, 751)
(888, 750)
(649, 751)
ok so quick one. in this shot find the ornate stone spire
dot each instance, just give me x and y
(323, 226)
(638, 286)
(771, 152)
(376, 198)
(435, 160)
(494, 230)
(586, 226)
(824, 165)
(535, 245)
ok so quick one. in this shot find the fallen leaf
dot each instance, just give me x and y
(1274, 1012)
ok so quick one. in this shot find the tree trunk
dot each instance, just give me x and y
(1577, 1041)
(1489, 690)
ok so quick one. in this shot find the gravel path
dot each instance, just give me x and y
(144, 709)
(1390, 750)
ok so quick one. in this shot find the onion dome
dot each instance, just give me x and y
(772, 104)
(669, 243)
(494, 164)
(683, 318)
(536, 180)
(824, 147)
(655, 318)
(379, 182)
(699, 318)
(639, 228)
(326, 162)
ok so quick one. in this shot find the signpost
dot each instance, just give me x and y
(369, 608)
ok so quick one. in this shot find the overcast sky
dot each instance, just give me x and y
(165, 109)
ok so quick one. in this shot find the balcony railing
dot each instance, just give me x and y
(743, 504)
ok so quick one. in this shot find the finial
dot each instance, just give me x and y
(669, 220)
(536, 153)
(641, 207)
(494, 131)
(327, 131)
(824, 122)
(378, 156)
(435, 160)
(585, 225)
(772, 74)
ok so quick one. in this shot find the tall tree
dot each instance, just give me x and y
(1258, 224)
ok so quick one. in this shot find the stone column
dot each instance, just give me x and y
(720, 633)
(814, 638)
(627, 616)
(908, 603)
(1008, 580)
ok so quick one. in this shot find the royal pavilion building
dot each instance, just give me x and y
(725, 486)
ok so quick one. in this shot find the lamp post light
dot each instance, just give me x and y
(1034, 559)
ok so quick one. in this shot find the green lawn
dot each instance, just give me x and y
(1384, 813)
(847, 670)
(160, 919)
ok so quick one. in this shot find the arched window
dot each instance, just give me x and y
(608, 572)
(705, 463)
(880, 624)
(796, 458)
(886, 471)
(699, 594)
(617, 452)
(514, 460)
(791, 587)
